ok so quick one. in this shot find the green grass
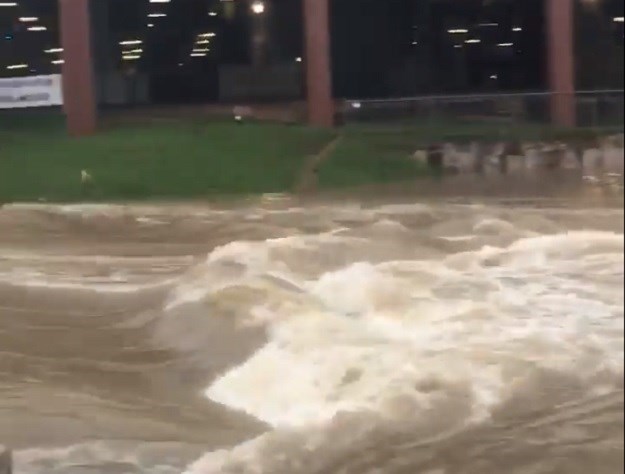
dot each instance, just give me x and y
(164, 160)
(379, 153)
(361, 159)
(189, 159)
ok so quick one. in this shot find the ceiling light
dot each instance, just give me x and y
(28, 19)
(473, 41)
(58, 61)
(618, 19)
(456, 31)
(53, 50)
(505, 45)
(18, 66)
(258, 8)
(131, 57)
(37, 28)
(130, 42)
(8, 4)
(517, 28)
(156, 15)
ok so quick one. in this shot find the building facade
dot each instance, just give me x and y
(76, 18)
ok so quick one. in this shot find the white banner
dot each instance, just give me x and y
(32, 91)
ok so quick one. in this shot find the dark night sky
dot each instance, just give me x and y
(380, 47)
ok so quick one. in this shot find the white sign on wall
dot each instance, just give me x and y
(32, 91)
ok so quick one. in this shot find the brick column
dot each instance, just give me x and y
(318, 63)
(78, 75)
(560, 48)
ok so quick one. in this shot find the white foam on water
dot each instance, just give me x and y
(102, 457)
(68, 208)
(476, 323)
(97, 273)
(116, 283)
(458, 238)
(244, 263)
(18, 256)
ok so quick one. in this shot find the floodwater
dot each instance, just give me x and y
(408, 336)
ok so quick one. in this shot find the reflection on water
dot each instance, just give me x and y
(433, 337)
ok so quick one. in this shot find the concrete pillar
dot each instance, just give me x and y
(561, 70)
(78, 76)
(318, 63)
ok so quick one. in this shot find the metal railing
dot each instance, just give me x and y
(598, 108)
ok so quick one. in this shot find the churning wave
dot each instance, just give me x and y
(406, 339)
(443, 343)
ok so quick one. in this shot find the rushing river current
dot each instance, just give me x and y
(413, 337)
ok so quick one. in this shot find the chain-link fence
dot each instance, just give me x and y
(397, 136)
(597, 109)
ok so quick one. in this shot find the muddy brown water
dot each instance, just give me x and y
(440, 332)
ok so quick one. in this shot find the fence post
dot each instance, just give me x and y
(6, 461)
(595, 112)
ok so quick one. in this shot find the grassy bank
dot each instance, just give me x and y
(183, 159)
(179, 159)
(159, 160)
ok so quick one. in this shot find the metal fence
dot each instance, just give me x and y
(600, 108)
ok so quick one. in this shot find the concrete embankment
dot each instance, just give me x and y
(603, 156)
